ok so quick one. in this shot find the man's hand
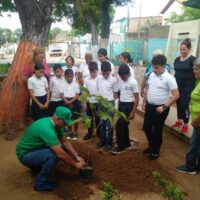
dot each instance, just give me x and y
(131, 116)
(79, 159)
(79, 165)
(41, 106)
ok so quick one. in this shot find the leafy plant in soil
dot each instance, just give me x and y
(169, 190)
(103, 110)
(109, 192)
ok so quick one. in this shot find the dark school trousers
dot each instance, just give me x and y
(92, 112)
(53, 105)
(153, 126)
(36, 112)
(122, 129)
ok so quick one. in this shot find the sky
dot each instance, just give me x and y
(148, 8)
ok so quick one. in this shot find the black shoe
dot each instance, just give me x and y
(185, 170)
(153, 156)
(116, 151)
(107, 147)
(87, 136)
(100, 144)
(68, 135)
(147, 151)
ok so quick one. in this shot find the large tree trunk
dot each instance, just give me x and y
(105, 24)
(35, 17)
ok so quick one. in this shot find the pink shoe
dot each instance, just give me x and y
(177, 124)
(184, 129)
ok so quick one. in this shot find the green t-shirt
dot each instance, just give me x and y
(195, 101)
(40, 134)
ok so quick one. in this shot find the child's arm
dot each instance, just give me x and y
(41, 106)
(48, 98)
(74, 98)
(132, 114)
(66, 102)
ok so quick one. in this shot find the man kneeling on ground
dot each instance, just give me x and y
(39, 148)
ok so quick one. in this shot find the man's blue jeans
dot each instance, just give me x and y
(194, 152)
(43, 159)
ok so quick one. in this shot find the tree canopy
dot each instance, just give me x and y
(187, 15)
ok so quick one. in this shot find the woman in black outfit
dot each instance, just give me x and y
(183, 66)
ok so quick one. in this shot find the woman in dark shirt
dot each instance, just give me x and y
(183, 66)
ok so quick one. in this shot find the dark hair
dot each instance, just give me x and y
(57, 66)
(102, 51)
(93, 66)
(187, 43)
(124, 70)
(38, 66)
(71, 59)
(127, 56)
(159, 60)
(105, 66)
(69, 72)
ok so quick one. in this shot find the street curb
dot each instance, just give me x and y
(168, 129)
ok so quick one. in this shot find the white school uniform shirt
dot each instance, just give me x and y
(112, 67)
(91, 84)
(84, 70)
(107, 87)
(55, 84)
(69, 89)
(159, 87)
(128, 89)
(74, 69)
(38, 85)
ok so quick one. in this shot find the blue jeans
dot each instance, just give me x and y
(43, 160)
(106, 131)
(194, 151)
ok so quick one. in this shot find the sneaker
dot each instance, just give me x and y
(184, 169)
(184, 129)
(116, 151)
(177, 124)
(74, 136)
(153, 156)
(46, 186)
(87, 136)
(68, 135)
(147, 151)
(107, 147)
(100, 144)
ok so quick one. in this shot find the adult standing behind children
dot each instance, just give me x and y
(107, 87)
(55, 83)
(39, 92)
(39, 149)
(128, 102)
(38, 57)
(156, 104)
(102, 57)
(192, 166)
(83, 71)
(69, 93)
(70, 65)
(183, 66)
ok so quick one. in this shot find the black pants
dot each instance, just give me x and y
(153, 126)
(53, 105)
(36, 112)
(122, 130)
(183, 102)
(92, 112)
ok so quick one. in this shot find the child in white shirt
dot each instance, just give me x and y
(69, 93)
(39, 92)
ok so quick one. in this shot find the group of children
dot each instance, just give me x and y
(63, 89)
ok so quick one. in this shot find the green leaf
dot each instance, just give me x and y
(88, 121)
